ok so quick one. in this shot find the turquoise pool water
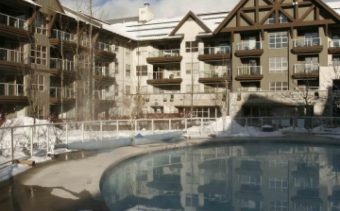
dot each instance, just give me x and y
(245, 177)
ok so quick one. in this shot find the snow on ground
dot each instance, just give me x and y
(78, 139)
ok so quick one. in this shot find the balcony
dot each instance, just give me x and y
(103, 76)
(165, 78)
(59, 96)
(13, 27)
(164, 57)
(12, 93)
(307, 45)
(249, 73)
(63, 66)
(249, 48)
(104, 100)
(12, 61)
(306, 71)
(218, 53)
(334, 46)
(214, 78)
(66, 39)
(105, 51)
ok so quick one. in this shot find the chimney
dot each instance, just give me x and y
(145, 13)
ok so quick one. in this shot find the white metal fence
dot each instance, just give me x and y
(17, 142)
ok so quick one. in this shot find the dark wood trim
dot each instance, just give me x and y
(195, 18)
(334, 50)
(249, 77)
(165, 82)
(249, 53)
(13, 99)
(164, 59)
(306, 76)
(307, 49)
(214, 57)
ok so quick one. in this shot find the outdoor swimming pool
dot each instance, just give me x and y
(228, 177)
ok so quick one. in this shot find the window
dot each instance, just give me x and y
(127, 90)
(116, 68)
(127, 70)
(116, 90)
(278, 64)
(38, 54)
(282, 19)
(189, 66)
(141, 70)
(191, 46)
(191, 200)
(278, 40)
(278, 86)
(38, 82)
(278, 184)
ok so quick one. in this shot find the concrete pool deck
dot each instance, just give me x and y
(74, 184)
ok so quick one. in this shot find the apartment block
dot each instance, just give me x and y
(263, 58)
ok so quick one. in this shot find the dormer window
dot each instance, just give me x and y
(282, 19)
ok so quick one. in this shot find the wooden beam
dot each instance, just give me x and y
(317, 13)
(247, 18)
(264, 19)
(51, 23)
(287, 15)
(304, 16)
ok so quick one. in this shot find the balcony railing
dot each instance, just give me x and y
(105, 47)
(63, 36)
(335, 43)
(249, 45)
(99, 95)
(165, 53)
(307, 42)
(9, 55)
(306, 68)
(249, 70)
(56, 92)
(65, 65)
(103, 71)
(9, 89)
(213, 74)
(215, 50)
(12, 21)
(159, 75)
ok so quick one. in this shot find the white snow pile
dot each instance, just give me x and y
(22, 138)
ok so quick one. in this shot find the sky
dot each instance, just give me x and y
(106, 9)
(161, 8)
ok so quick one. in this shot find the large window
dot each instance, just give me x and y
(191, 46)
(278, 64)
(38, 54)
(127, 70)
(141, 70)
(278, 40)
(278, 86)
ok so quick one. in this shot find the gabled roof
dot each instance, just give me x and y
(230, 16)
(195, 18)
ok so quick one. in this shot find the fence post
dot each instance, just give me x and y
(47, 140)
(152, 126)
(66, 131)
(186, 124)
(82, 131)
(201, 129)
(117, 128)
(32, 134)
(170, 128)
(12, 145)
(136, 125)
(101, 130)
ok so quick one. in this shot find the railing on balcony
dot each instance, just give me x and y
(335, 43)
(12, 21)
(56, 92)
(165, 53)
(63, 36)
(105, 47)
(307, 42)
(215, 50)
(159, 75)
(103, 71)
(9, 55)
(10, 89)
(62, 64)
(249, 45)
(213, 74)
(249, 70)
(99, 95)
(306, 69)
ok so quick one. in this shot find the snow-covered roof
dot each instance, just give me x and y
(161, 28)
(32, 2)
